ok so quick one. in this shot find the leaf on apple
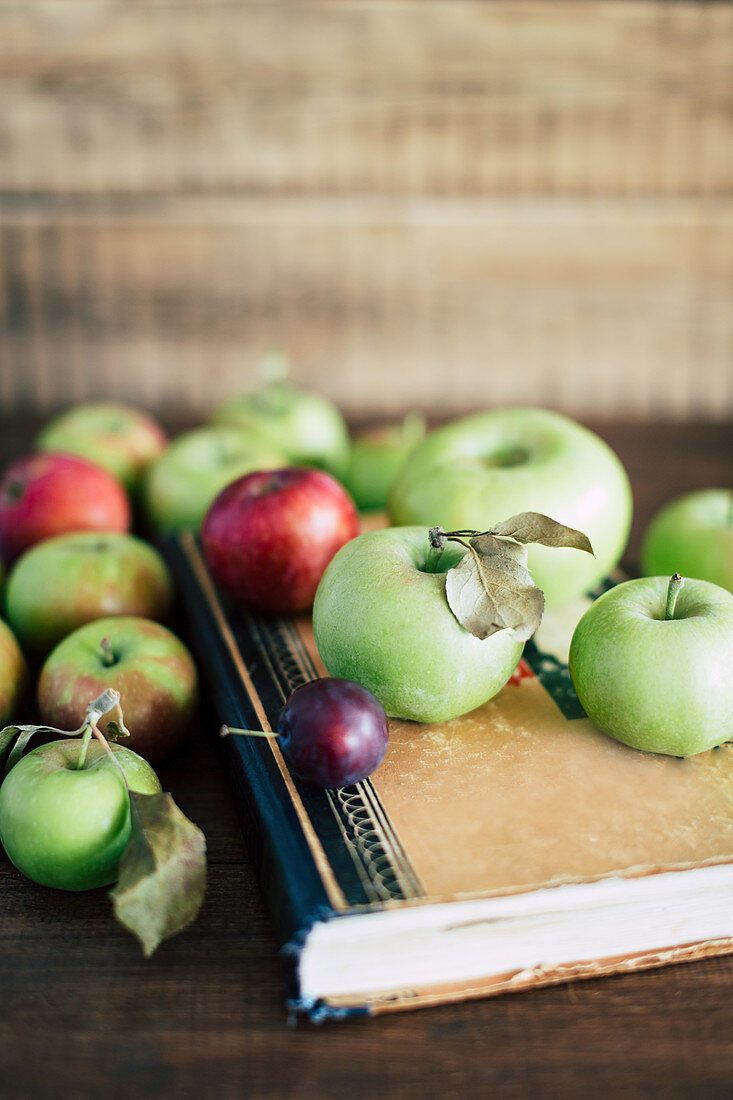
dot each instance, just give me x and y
(21, 735)
(162, 871)
(491, 588)
(534, 527)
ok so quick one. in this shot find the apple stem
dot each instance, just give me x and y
(676, 582)
(85, 739)
(225, 731)
(106, 746)
(437, 540)
(108, 657)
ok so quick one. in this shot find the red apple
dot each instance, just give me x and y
(49, 494)
(269, 536)
(152, 670)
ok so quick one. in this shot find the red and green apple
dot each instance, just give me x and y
(42, 495)
(66, 581)
(121, 439)
(13, 674)
(149, 666)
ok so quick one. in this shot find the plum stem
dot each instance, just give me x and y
(108, 657)
(225, 731)
(85, 739)
(673, 589)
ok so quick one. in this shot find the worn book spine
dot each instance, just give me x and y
(297, 891)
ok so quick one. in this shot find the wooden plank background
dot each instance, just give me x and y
(432, 204)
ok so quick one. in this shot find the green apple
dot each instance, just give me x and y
(654, 671)
(13, 674)
(382, 619)
(66, 826)
(308, 428)
(477, 471)
(376, 457)
(183, 482)
(692, 535)
(64, 582)
(149, 666)
(121, 439)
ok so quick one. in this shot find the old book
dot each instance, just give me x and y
(512, 847)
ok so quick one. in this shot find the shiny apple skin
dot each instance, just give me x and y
(67, 827)
(64, 582)
(120, 438)
(657, 684)
(333, 732)
(382, 620)
(152, 670)
(42, 495)
(269, 536)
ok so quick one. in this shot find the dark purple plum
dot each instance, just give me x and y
(333, 732)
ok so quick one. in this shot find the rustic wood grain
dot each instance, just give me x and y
(529, 199)
(458, 97)
(603, 305)
(84, 1016)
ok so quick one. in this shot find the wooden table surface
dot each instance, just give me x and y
(82, 1014)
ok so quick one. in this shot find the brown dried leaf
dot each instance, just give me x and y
(491, 589)
(162, 871)
(534, 527)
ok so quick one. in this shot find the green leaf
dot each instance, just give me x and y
(162, 871)
(534, 527)
(491, 589)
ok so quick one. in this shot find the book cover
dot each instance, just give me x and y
(521, 812)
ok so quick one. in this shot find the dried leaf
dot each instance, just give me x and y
(115, 732)
(21, 735)
(491, 589)
(7, 736)
(534, 527)
(162, 871)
